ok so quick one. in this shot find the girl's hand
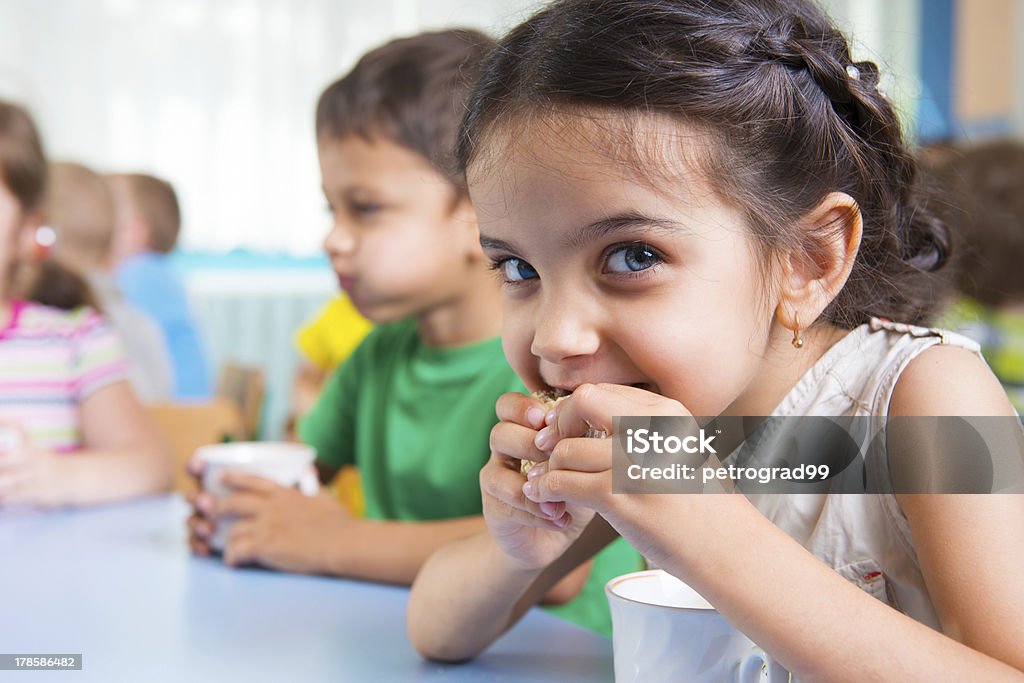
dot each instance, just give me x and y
(30, 475)
(533, 534)
(579, 469)
(274, 526)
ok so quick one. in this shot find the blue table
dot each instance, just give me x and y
(118, 585)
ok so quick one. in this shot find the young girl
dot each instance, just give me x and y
(698, 208)
(73, 432)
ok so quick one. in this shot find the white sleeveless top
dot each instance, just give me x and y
(864, 537)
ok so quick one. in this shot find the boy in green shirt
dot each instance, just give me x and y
(414, 405)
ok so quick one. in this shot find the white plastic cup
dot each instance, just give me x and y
(287, 464)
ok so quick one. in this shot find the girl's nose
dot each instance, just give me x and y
(563, 331)
(340, 239)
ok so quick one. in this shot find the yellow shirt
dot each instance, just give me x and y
(335, 333)
(327, 341)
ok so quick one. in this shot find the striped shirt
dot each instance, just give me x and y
(50, 361)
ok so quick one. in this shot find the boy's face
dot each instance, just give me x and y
(610, 279)
(130, 234)
(399, 242)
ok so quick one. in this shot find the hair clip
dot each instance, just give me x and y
(45, 236)
(853, 72)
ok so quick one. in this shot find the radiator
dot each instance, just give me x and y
(251, 316)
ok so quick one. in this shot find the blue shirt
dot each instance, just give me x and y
(149, 283)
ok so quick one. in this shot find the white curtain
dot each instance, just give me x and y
(217, 96)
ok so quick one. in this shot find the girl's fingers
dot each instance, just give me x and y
(582, 455)
(586, 489)
(592, 406)
(506, 487)
(523, 518)
(11, 484)
(517, 441)
(11, 461)
(521, 409)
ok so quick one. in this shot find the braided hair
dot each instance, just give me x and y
(790, 116)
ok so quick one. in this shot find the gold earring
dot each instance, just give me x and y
(798, 343)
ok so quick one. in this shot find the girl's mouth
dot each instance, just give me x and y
(554, 393)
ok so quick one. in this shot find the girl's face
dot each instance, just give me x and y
(611, 278)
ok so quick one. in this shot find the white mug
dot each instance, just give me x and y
(287, 464)
(663, 630)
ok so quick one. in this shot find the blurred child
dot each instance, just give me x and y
(985, 205)
(706, 209)
(81, 436)
(81, 212)
(414, 404)
(148, 222)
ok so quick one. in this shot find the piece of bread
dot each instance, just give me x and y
(550, 399)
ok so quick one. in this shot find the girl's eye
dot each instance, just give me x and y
(515, 270)
(631, 258)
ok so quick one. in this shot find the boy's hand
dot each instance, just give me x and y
(274, 526)
(200, 526)
(534, 534)
(30, 475)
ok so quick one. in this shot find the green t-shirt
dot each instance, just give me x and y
(416, 421)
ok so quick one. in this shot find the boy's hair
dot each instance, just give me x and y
(23, 171)
(411, 91)
(80, 210)
(985, 185)
(155, 200)
(786, 114)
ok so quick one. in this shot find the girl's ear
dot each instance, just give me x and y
(813, 276)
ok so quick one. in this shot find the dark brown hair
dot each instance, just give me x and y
(155, 200)
(23, 172)
(984, 190)
(788, 115)
(22, 162)
(411, 91)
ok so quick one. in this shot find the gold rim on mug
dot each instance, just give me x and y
(609, 589)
